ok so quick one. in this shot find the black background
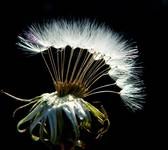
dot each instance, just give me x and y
(144, 21)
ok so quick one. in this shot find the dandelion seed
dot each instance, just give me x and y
(77, 55)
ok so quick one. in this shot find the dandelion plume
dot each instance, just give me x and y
(100, 41)
(77, 55)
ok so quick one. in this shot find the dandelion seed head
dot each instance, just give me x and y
(99, 40)
(77, 55)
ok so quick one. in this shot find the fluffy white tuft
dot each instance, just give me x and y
(131, 93)
(120, 55)
(83, 34)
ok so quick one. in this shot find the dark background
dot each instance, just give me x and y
(141, 20)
